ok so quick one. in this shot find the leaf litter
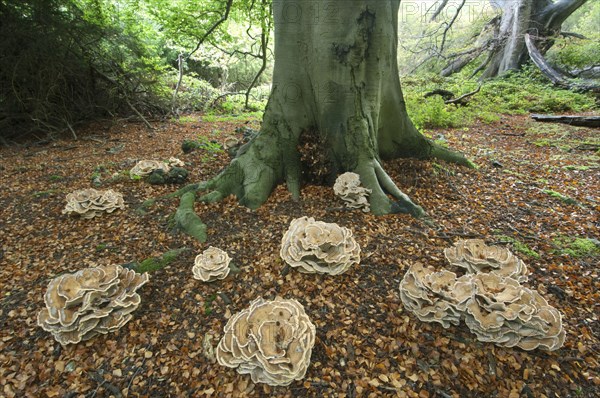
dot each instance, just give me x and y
(367, 345)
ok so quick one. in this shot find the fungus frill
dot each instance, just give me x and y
(475, 257)
(316, 246)
(347, 187)
(91, 301)
(489, 297)
(175, 162)
(508, 314)
(435, 296)
(144, 168)
(89, 202)
(230, 141)
(211, 264)
(271, 340)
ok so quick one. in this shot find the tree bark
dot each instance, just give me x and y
(540, 18)
(336, 105)
(505, 43)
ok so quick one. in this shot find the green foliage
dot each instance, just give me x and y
(212, 117)
(514, 93)
(67, 61)
(55, 178)
(577, 167)
(577, 247)
(210, 148)
(195, 94)
(156, 263)
(208, 304)
(518, 246)
(570, 52)
(563, 198)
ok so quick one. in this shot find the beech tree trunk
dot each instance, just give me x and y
(336, 105)
(542, 19)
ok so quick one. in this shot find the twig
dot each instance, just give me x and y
(460, 99)
(72, 131)
(137, 370)
(133, 108)
(200, 41)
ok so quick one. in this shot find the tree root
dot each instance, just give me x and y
(375, 178)
(251, 179)
(450, 156)
(146, 205)
(248, 178)
(187, 220)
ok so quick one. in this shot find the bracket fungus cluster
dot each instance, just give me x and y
(476, 257)
(211, 264)
(347, 187)
(144, 168)
(271, 340)
(315, 246)
(230, 141)
(435, 296)
(489, 297)
(91, 301)
(89, 202)
(508, 314)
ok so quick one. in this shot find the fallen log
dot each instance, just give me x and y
(584, 121)
(556, 77)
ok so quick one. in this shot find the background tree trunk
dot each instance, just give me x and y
(336, 105)
(540, 18)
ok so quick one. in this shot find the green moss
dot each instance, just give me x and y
(242, 117)
(45, 194)
(208, 304)
(55, 177)
(578, 168)
(519, 246)
(577, 247)
(514, 173)
(155, 263)
(565, 199)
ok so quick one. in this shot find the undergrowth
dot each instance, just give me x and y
(577, 247)
(515, 93)
(518, 246)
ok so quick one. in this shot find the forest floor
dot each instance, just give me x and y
(366, 343)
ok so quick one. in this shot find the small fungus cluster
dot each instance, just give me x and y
(89, 202)
(315, 246)
(144, 168)
(489, 297)
(211, 264)
(91, 301)
(347, 187)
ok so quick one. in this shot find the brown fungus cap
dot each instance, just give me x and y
(489, 298)
(475, 257)
(91, 301)
(211, 264)
(89, 202)
(144, 168)
(271, 340)
(347, 187)
(319, 247)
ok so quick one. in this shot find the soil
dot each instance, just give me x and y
(367, 344)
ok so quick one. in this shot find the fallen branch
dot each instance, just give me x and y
(575, 35)
(462, 99)
(555, 77)
(584, 121)
(448, 96)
